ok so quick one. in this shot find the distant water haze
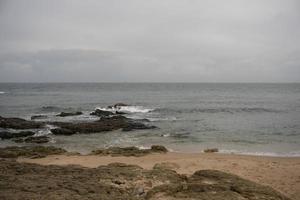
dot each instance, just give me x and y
(247, 118)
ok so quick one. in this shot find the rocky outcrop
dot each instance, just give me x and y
(119, 181)
(30, 151)
(62, 131)
(10, 135)
(67, 114)
(18, 123)
(103, 124)
(129, 151)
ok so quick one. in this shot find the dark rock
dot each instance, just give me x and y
(32, 181)
(18, 123)
(120, 113)
(101, 113)
(39, 117)
(10, 135)
(137, 126)
(129, 151)
(119, 105)
(62, 131)
(29, 151)
(159, 148)
(102, 125)
(37, 139)
(213, 150)
(67, 114)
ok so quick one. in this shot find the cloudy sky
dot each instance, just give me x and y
(149, 41)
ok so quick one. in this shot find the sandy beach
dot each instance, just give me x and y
(282, 174)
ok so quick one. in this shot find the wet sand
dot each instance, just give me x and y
(282, 174)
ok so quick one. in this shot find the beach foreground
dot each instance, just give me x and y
(282, 174)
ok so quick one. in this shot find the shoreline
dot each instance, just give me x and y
(281, 173)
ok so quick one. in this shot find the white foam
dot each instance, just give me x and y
(127, 109)
(1, 92)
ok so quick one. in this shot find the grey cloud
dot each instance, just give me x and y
(137, 40)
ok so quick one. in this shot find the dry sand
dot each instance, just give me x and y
(283, 174)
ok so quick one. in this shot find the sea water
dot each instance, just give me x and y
(244, 118)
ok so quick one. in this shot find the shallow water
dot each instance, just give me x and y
(252, 118)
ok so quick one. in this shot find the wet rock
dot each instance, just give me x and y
(137, 126)
(18, 123)
(101, 113)
(37, 139)
(104, 124)
(213, 150)
(67, 114)
(10, 135)
(62, 131)
(159, 148)
(34, 117)
(29, 151)
(129, 151)
(119, 105)
(120, 113)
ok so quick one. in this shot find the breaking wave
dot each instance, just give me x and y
(128, 109)
(1, 92)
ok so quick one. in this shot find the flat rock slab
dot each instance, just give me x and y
(120, 181)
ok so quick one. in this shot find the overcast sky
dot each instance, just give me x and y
(149, 41)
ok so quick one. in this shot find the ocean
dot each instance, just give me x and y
(243, 118)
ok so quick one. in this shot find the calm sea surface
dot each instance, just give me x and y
(242, 118)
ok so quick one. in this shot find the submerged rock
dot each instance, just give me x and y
(36, 139)
(67, 114)
(38, 117)
(30, 151)
(18, 123)
(32, 181)
(129, 151)
(62, 131)
(10, 135)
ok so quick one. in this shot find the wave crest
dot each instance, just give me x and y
(127, 109)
